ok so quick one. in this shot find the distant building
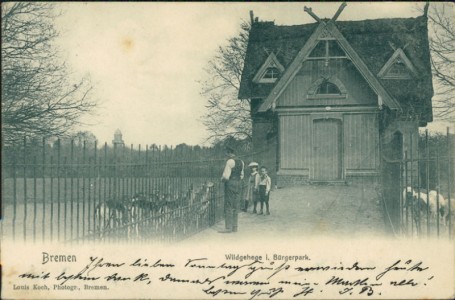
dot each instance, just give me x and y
(118, 140)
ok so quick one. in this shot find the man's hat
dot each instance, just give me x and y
(253, 164)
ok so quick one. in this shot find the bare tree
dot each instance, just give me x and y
(441, 18)
(226, 115)
(37, 95)
(84, 136)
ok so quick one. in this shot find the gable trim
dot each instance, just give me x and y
(271, 61)
(366, 73)
(293, 69)
(399, 53)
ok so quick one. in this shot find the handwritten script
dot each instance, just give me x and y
(246, 279)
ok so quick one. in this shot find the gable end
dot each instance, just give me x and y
(399, 58)
(328, 31)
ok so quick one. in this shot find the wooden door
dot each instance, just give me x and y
(327, 149)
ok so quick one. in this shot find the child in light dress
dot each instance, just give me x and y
(251, 194)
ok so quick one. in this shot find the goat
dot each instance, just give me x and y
(444, 209)
(421, 200)
(417, 204)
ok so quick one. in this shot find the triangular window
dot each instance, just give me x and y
(335, 49)
(270, 70)
(398, 67)
(319, 50)
(326, 49)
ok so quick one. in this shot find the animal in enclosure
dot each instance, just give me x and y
(205, 200)
(408, 196)
(109, 215)
(160, 214)
(448, 212)
(201, 204)
(144, 209)
(413, 205)
(437, 204)
(184, 219)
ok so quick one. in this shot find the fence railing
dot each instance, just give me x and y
(80, 192)
(418, 189)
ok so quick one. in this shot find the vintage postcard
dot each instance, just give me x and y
(224, 150)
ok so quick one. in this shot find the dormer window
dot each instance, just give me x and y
(398, 67)
(271, 73)
(270, 70)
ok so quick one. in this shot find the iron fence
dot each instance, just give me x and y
(417, 189)
(64, 191)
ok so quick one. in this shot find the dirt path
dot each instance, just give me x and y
(305, 211)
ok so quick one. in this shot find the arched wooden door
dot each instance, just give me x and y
(327, 149)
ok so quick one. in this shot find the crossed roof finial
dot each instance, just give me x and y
(311, 13)
(309, 10)
(339, 11)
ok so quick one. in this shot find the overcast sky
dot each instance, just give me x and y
(145, 59)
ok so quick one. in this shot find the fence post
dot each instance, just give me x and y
(428, 180)
(72, 188)
(52, 198)
(25, 189)
(4, 172)
(138, 171)
(437, 191)
(58, 188)
(65, 205)
(98, 171)
(402, 188)
(124, 172)
(34, 198)
(84, 168)
(449, 183)
(146, 171)
(131, 190)
(14, 196)
(89, 196)
(44, 188)
(412, 183)
(99, 224)
(419, 231)
(406, 184)
(78, 187)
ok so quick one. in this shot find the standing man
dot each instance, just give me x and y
(232, 178)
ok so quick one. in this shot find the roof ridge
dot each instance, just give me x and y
(272, 23)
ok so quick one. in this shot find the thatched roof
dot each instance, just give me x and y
(370, 39)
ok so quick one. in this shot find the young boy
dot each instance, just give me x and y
(265, 184)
